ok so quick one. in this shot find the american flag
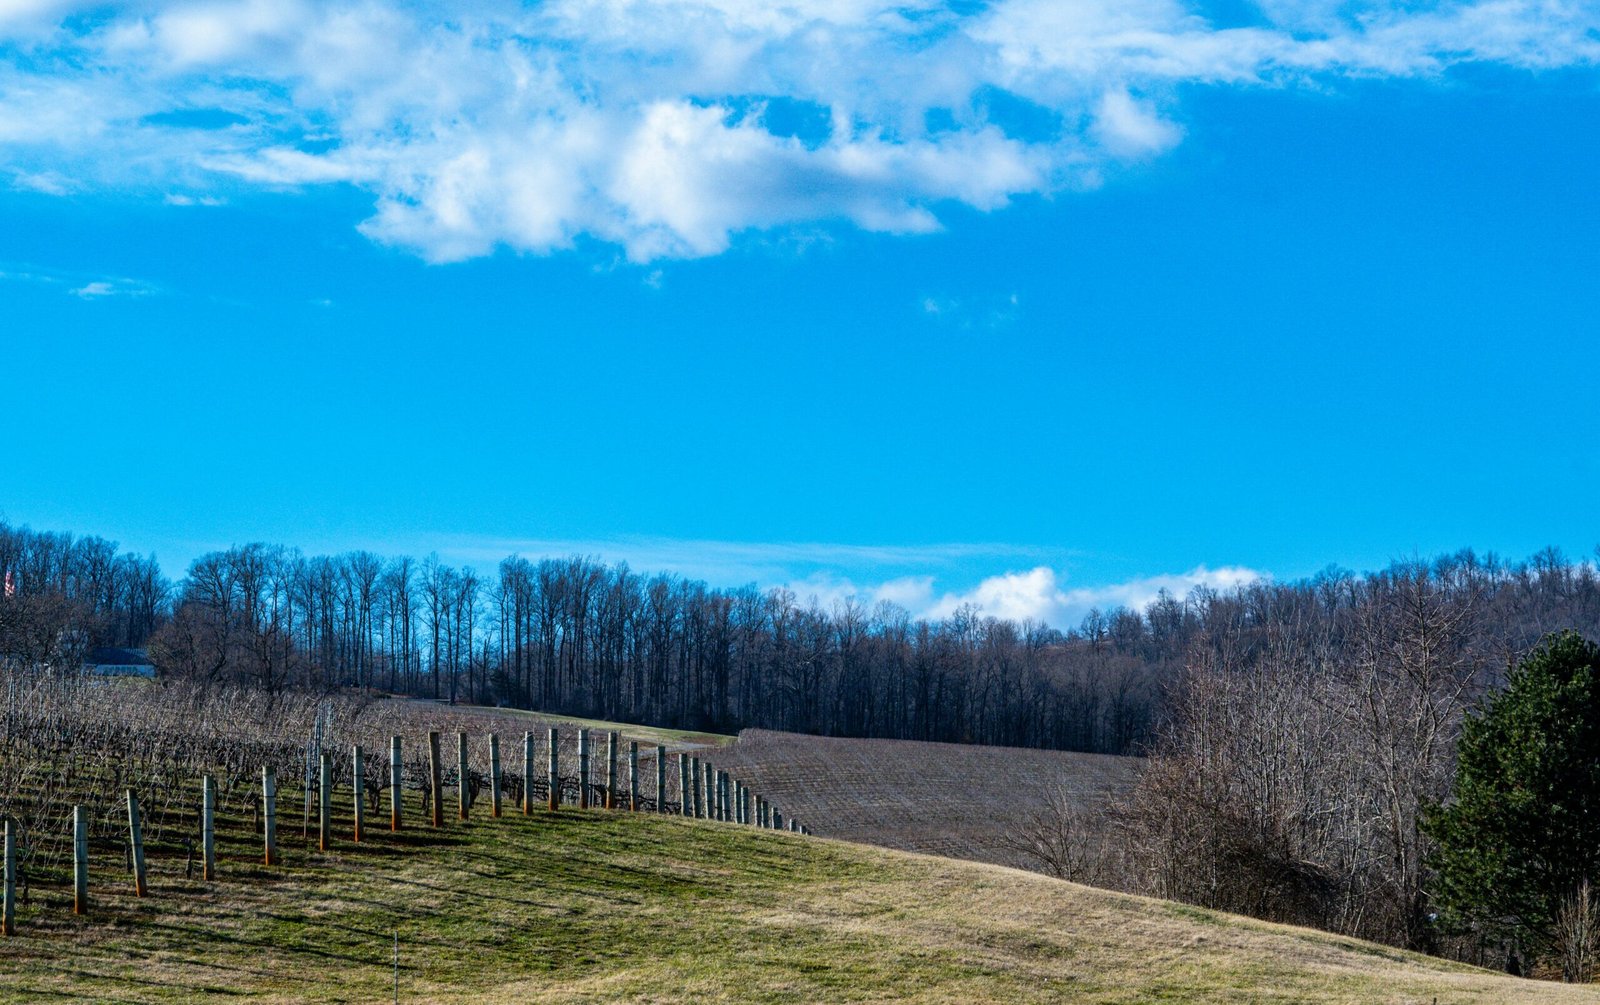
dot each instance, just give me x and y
(11, 584)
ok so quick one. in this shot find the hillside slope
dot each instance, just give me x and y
(595, 906)
(953, 799)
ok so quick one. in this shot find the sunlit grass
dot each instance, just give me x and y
(595, 906)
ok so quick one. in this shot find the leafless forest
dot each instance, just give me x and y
(1295, 732)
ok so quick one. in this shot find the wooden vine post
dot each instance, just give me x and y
(711, 792)
(463, 793)
(269, 815)
(583, 769)
(633, 775)
(683, 785)
(325, 805)
(8, 893)
(358, 771)
(494, 775)
(611, 770)
(527, 772)
(691, 798)
(136, 845)
(208, 828)
(661, 779)
(396, 782)
(435, 779)
(555, 770)
(80, 861)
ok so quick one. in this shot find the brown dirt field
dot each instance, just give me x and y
(938, 798)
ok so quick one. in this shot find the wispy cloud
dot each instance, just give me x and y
(100, 289)
(913, 577)
(985, 313)
(737, 562)
(46, 182)
(668, 127)
(77, 285)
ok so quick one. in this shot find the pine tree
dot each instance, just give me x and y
(1520, 841)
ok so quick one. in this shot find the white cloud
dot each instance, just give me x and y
(22, 18)
(47, 182)
(1039, 595)
(647, 123)
(1035, 594)
(1131, 128)
(1014, 596)
(99, 289)
(828, 574)
(1139, 593)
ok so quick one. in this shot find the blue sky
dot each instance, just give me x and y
(1035, 305)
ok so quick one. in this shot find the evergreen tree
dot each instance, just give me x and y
(1520, 841)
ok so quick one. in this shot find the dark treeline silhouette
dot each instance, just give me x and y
(64, 595)
(577, 636)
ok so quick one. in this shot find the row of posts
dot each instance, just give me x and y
(704, 792)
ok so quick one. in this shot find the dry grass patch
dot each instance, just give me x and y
(612, 907)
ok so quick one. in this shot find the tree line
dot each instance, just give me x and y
(65, 594)
(1315, 729)
(578, 636)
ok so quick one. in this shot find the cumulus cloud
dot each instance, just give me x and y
(670, 127)
(1037, 594)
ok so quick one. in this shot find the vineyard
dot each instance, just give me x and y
(80, 742)
(957, 800)
(72, 741)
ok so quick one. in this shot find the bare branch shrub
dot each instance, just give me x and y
(1578, 934)
(1066, 837)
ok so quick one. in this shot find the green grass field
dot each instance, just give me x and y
(606, 907)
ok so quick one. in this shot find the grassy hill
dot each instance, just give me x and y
(606, 907)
